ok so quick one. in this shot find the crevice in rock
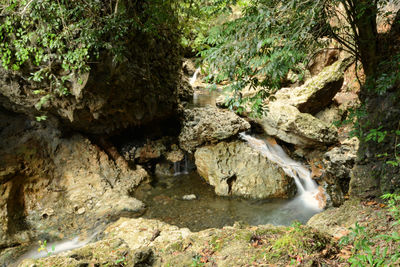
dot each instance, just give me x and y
(16, 206)
(12, 245)
(108, 148)
(230, 182)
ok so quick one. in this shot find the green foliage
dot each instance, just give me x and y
(388, 76)
(196, 17)
(271, 39)
(43, 247)
(393, 201)
(376, 135)
(196, 261)
(257, 50)
(121, 261)
(52, 43)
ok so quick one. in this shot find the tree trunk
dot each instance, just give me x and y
(363, 14)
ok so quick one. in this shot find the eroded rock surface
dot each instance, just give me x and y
(53, 185)
(316, 93)
(209, 125)
(139, 90)
(234, 168)
(287, 123)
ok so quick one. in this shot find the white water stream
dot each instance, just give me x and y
(308, 191)
(194, 77)
(53, 248)
(181, 167)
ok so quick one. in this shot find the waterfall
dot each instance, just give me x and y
(194, 77)
(181, 167)
(308, 191)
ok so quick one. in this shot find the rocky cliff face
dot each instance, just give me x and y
(48, 181)
(373, 175)
(139, 90)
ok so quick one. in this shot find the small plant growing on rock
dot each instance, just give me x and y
(43, 247)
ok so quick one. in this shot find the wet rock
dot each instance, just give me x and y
(175, 155)
(164, 168)
(287, 123)
(209, 125)
(185, 91)
(316, 93)
(236, 169)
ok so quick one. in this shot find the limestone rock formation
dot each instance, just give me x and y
(209, 125)
(236, 169)
(323, 59)
(287, 123)
(48, 180)
(340, 160)
(330, 114)
(316, 93)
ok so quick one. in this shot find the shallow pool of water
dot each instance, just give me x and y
(164, 202)
(203, 97)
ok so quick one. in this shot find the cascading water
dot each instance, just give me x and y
(54, 248)
(181, 167)
(194, 77)
(308, 191)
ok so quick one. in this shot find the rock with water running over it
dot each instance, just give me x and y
(287, 123)
(109, 252)
(209, 125)
(236, 169)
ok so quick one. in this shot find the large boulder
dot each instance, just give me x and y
(53, 186)
(287, 123)
(316, 93)
(236, 169)
(209, 125)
